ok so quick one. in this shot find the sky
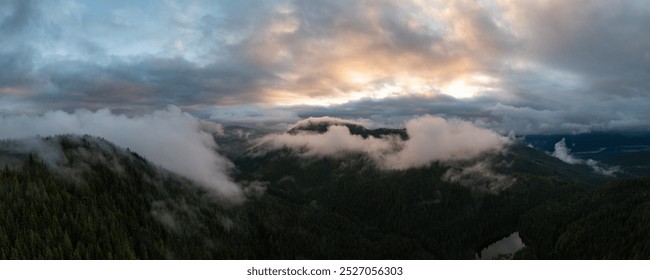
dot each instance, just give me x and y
(524, 66)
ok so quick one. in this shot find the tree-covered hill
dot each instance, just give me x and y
(608, 222)
(97, 201)
(350, 208)
(69, 197)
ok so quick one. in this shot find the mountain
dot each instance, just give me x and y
(628, 150)
(348, 207)
(235, 140)
(607, 222)
(68, 197)
(321, 126)
(556, 207)
(81, 197)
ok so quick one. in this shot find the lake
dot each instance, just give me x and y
(503, 249)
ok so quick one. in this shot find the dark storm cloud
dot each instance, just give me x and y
(147, 84)
(596, 51)
(17, 68)
(590, 37)
(398, 108)
(518, 116)
(19, 15)
(15, 55)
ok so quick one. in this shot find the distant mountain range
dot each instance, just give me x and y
(630, 151)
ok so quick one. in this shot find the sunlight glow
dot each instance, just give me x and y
(402, 85)
(468, 87)
(459, 89)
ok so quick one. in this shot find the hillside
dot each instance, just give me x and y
(82, 197)
(93, 200)
(609, 222)
(349, 208)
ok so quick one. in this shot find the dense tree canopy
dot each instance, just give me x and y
(101, 202)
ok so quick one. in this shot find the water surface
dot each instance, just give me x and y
(502, 249)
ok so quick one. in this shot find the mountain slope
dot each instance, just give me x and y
(94, 200)
(82, 197)
(349, 208)
(609, 222)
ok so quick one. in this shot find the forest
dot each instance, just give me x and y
(104, 202)
(608, 222)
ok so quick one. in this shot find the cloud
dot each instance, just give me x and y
(430, 139)
(434, 138)
(306, 123)
(533, 67)
(12, 152)
(257, 116)
(251, 51)
(607, 171)
(478, 176)
(557, 33)
(564, 154)
(134, 86)
(371, 48)
(543, 116)
(170, 138)
(18, 17)
(336, 141)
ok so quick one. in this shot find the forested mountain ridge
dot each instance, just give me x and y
(423, 212)
(608, 222)
(93, 200)
(355, 129)
(81, 197)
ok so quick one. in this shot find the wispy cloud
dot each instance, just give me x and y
(170, 138)
(429, 139)
(563, 153)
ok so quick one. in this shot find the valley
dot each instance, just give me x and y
(106, 202)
